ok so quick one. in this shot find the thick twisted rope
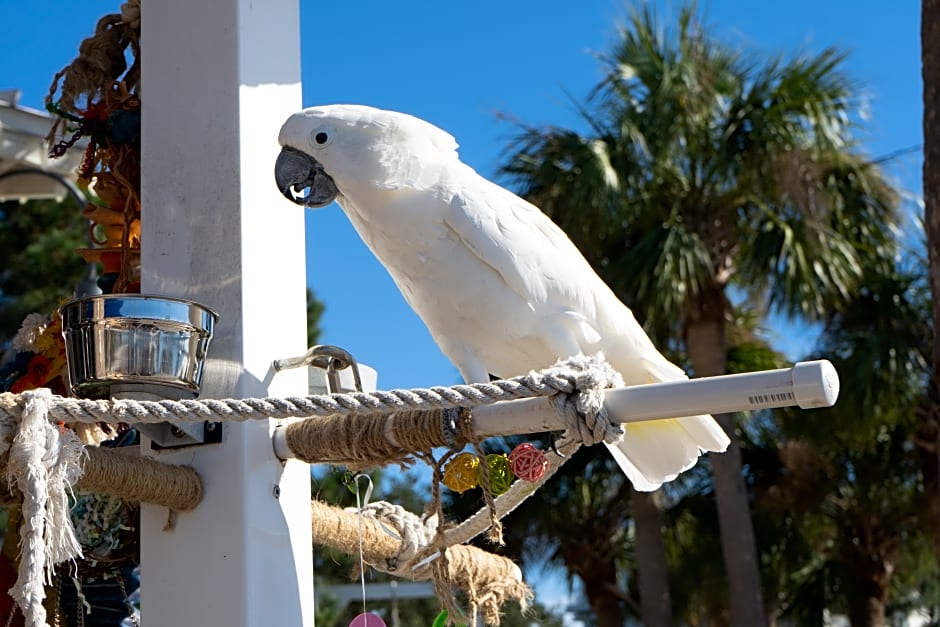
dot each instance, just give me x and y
(136, 478)
(382, 403)
(392, 538)
(412, 531)
(374, 440)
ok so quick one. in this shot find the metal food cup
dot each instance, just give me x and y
(125, 343)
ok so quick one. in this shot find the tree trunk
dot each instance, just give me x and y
(930, 72)
(599, 577)
(867, 612)
(706, 345)
(738, 545)
(653, 574)
(867, 602)
(928, 441)
(930, 60)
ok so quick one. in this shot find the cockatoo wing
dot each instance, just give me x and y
(579, 313)
(530, 252)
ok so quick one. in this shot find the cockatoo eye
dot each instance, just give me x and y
(321, 136)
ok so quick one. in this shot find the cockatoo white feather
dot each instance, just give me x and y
(500, 287)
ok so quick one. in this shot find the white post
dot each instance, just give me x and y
(218, 79)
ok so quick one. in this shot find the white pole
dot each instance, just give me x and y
(218, 79)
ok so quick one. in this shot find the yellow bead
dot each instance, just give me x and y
(462, 472)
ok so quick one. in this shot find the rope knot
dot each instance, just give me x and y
(582, 403)
(416, 534)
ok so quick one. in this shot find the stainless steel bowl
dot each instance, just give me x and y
(135, 343)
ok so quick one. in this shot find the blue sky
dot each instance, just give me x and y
(457, 64)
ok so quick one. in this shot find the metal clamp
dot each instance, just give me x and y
(326, 357)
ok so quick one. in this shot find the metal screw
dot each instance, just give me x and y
(177, 432)
(210, 426)
(277, 491)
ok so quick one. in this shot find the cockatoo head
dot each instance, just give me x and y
(330, 151)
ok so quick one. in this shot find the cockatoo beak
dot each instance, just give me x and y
(302, 179)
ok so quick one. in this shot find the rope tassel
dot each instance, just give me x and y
(44, 463)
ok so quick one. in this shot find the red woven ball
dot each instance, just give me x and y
(527, 462)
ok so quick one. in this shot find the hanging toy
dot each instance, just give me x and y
(527, 462)
(462, 472)
(500, 474)
(366, 619)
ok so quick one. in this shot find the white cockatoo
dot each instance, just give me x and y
(500, 287)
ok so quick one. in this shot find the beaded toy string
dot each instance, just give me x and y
(465, 471)
(365, 619)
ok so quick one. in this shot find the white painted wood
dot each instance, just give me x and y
(23, 146)
(219, 77)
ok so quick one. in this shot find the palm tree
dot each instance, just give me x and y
(315, 309)
(930, 61)
(698, 582)
(706, 170)
(840, 521)
(853, 477)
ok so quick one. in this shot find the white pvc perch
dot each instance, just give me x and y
(808, 385)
